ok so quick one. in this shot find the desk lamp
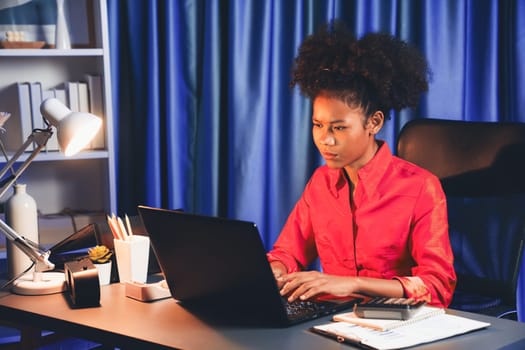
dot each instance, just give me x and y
(74, 131)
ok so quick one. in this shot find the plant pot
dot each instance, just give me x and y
(104, 273)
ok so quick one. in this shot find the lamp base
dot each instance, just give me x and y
(40, 283)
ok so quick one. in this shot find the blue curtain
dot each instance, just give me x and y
(205, 118)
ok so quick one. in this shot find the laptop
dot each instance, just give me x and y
(218, 268)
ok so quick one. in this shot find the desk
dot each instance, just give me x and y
(127, 323)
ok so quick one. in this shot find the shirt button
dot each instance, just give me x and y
(359, 267)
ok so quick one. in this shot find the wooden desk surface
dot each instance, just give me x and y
(124, 322)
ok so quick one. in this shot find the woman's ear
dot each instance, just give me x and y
(375, 122)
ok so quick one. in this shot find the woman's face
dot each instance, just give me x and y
(341, 134)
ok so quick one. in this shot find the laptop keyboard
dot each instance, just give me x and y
(305, 309)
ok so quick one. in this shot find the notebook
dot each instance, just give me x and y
(437, 327)
(217, 267)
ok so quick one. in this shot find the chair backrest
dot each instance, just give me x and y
(481, 166)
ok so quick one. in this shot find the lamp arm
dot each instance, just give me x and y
(30, 248)
(38, 136)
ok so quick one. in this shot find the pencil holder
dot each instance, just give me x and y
(132, 256)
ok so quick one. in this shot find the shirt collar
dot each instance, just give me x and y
(373, 172)
(369, 175)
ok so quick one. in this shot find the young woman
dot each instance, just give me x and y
(377, 223)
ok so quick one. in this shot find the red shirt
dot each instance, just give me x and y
(399, 228)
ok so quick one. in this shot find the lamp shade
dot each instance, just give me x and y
(74, 129)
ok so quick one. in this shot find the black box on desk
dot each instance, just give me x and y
(82, 282)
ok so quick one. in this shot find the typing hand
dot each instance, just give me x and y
(309, 284)
(279, 270)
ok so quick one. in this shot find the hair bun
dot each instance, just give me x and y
(334, 60)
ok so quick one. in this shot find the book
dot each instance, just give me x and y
(83, 97)
(96, 103)
(52, 143)
(72, 95)
(35, 92)
(83, 102)
(437, 327)
(24, 108)
(60, 94)
(384, 324)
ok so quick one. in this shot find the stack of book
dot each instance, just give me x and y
(79, 96)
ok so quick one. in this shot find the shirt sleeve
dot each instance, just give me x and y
(433, 277)
(295, 246)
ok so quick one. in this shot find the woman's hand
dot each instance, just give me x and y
(279, 270)
(308, 284)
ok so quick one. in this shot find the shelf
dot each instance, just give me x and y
(58, 156)
(85, 181)
(50, 52)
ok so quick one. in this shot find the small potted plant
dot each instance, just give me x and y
(100, 256)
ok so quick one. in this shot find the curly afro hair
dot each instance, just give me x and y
(376, 72)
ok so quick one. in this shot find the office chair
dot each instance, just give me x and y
(481, 166)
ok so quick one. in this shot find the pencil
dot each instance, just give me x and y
(122, 228)
(128, 225)
(113, 228)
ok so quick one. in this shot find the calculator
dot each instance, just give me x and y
(388, 308)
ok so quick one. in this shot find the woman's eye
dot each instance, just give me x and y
(340, 128)
(317, 125)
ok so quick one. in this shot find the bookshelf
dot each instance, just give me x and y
(85, 182)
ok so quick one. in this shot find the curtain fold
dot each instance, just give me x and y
(207, 123)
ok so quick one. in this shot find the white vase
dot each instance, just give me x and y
(104, 273)
(62, 40)
(21, 215)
